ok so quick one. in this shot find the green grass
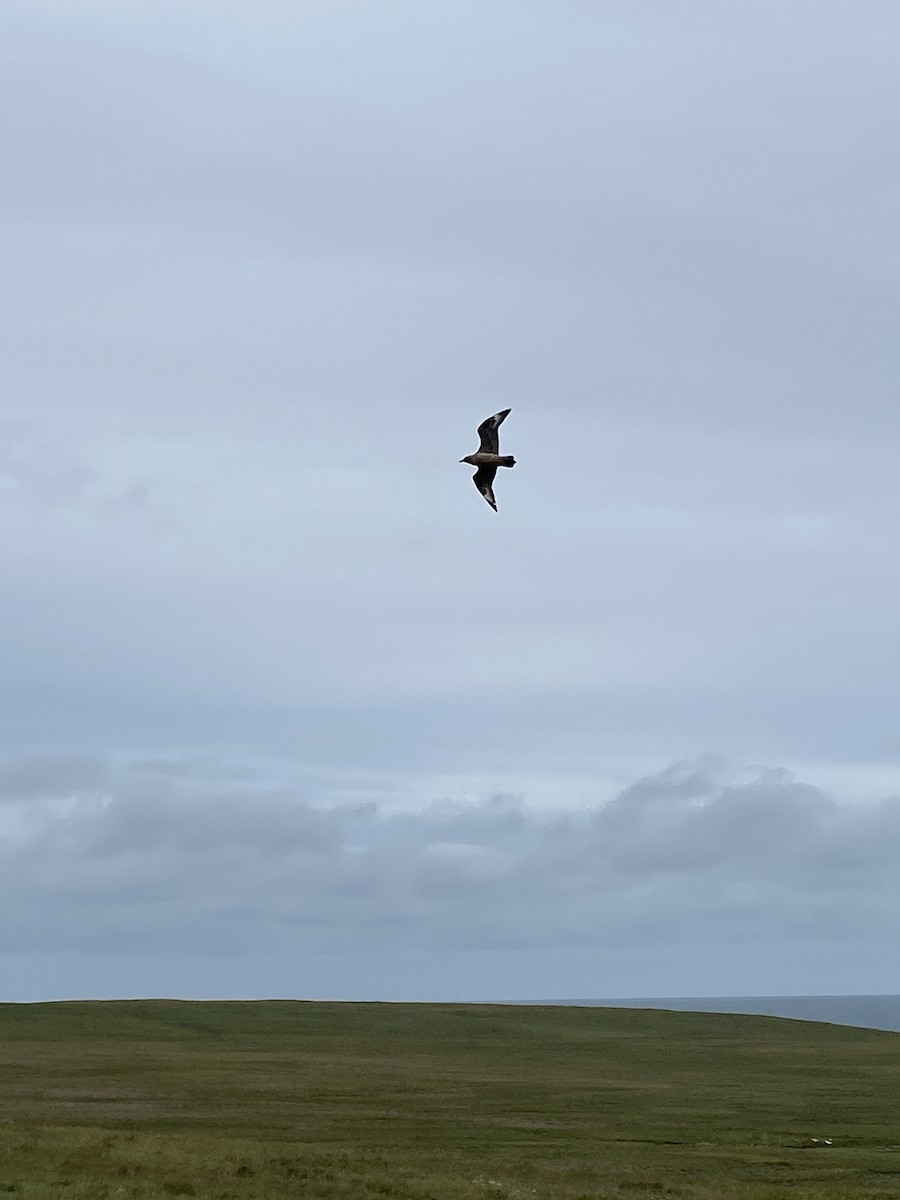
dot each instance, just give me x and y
(235, 1101)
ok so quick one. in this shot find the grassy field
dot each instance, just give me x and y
(234, 1101)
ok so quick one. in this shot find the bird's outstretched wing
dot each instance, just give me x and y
(484, 481)
(487, 431)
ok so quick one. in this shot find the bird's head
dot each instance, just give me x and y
(469, 459)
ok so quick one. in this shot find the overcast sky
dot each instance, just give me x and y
(285, 708)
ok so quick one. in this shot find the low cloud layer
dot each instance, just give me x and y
(118, 858)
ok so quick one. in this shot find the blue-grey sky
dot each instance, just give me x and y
(286, 709)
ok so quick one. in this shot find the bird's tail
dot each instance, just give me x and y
(507, 460)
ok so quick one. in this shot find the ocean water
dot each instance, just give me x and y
(870, 1012)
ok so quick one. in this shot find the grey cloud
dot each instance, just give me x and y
(694, 853)
(36, 474)
(51, 776)
(41, 472)
(678, 821)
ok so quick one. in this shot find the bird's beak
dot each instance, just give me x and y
(462, 460)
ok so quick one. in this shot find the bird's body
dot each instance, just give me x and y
(487, 458)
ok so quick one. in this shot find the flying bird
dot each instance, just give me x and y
(487, 458)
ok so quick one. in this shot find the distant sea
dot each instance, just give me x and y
(870, 1012)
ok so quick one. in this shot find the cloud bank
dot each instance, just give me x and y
(98, 857)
